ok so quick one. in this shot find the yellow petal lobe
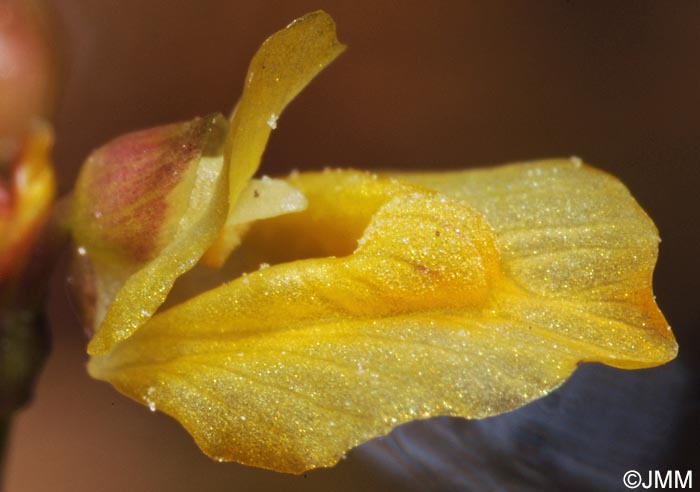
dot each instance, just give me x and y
(385, 301)
(578, 250)
(285, 63)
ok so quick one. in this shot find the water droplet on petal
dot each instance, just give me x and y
(272, 121)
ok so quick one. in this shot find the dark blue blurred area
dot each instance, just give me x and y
(583, 437)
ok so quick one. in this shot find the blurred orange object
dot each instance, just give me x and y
(25, 202)
(25, 72)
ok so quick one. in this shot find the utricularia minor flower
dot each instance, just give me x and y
(284, 321)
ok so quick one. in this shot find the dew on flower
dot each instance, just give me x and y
(272, 121)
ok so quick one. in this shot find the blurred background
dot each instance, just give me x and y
(449, 84)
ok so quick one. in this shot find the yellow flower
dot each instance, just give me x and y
(284, 321)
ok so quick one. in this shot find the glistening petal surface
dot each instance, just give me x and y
(572, 235)
(471, 300)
